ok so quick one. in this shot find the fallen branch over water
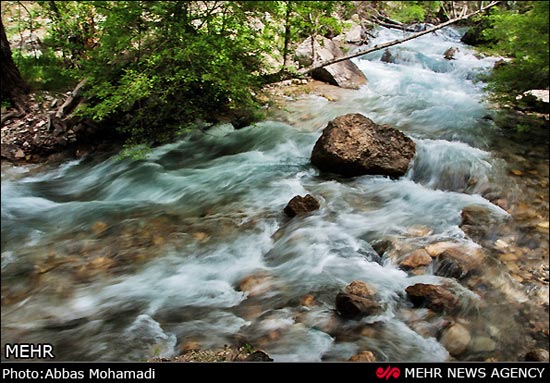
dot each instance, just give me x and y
(395, 42)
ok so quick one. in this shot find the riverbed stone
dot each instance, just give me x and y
(416, 259)
(537, 355)
(482, 344)
(299, 205)
(455, 339)
(363, 356)
(354, 145)
(256, 284)
(360, 289)
(358, 299)
(435, 297)
(352, 306)
(457, 263)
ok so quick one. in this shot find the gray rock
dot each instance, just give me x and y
(344, 74)
(353, 145)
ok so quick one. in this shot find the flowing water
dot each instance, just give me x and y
(112, 259)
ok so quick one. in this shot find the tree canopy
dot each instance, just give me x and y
(156, 68)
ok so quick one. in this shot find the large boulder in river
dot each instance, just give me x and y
(353, 145)
(344, 74)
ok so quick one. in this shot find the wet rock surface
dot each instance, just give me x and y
(353, 145)
(437, 298)
(299, 205)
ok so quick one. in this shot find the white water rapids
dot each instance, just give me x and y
(148, 255)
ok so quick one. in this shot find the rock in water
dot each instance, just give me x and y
(357, 300)
(456, 339)
(437, 298)
(387, 57)
(416, 259)
(363, 356)
(301, 205)
(353, 145)
(450, 53)
(353, 306)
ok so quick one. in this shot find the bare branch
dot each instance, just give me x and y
(395, 42)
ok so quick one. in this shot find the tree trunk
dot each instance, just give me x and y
(286, 50)
(14, 88)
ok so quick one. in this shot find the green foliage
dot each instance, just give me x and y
(521, 34)
(156, 68)
(414, 11)
(44, 71)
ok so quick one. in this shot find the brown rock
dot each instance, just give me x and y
(457, 264)
(363, 356)
(99, 227)
(301, 205)
(417, 258)
(537, 355)
(353, 145)
(353, 306)
(308, 301)
(361, 289)
(437, 298)
(258, 356)
(450, 53)
(256, 284)
(191, 345)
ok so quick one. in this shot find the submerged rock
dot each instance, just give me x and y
(458, 264)
(256, 284)
(301, 205)
(353, 145)
(363, 356)
(482, 344)
(456, 339)
(435, 297)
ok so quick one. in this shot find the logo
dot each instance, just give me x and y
(389, 372)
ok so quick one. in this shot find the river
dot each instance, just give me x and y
(125, 260)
